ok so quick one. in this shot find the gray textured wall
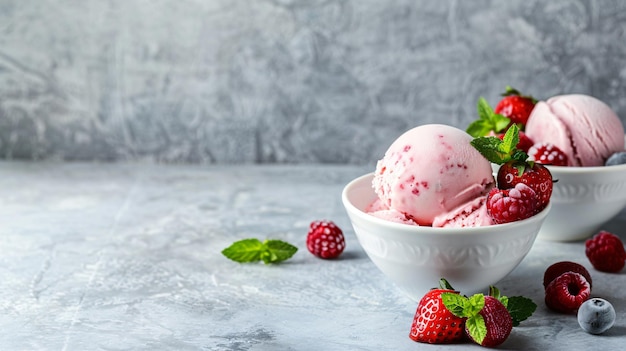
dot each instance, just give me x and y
(282, 80)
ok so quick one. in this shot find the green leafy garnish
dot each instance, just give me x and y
(488, 121)
(520, 308)
(469, 308)
(253, 250)
(501, 151)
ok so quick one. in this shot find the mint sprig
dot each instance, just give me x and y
(253, 250)
(519, 307)
(501, 151)
(488, 121)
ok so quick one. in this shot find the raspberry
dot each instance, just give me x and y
(325, 239)
(547, 154)
(605, 252)
(559, 268)
(567, 292)
(511, 205)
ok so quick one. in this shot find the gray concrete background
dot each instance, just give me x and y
(285, 81)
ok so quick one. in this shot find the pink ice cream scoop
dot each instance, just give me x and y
(583, 127)
(429, 171)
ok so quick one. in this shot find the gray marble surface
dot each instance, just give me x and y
(127, 256)
(283, 81)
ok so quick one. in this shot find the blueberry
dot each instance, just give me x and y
(618, 158)
(596, 315)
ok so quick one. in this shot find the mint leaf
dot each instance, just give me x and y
(510, 139)
(253, 250)
(500, 122)
(488, 121)
(490, 148)
(479, 128)
(279, 251)
(246, 250)
(476, 327)
(455, 303)
(520, 308)
(501, 151)
(476, 304)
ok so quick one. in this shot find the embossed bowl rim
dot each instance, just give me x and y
(588, 170)
(363, 184)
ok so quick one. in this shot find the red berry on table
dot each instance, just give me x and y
(537, 177)
(515, 106)
(510, 205)
(606, 252)
(325, 239)
(567, 292)
(433, 323)
(547, 154)
(558, 268)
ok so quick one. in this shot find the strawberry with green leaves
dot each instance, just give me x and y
(433, 323)
(515, 168)
(489, 319)
(491, 123)
(516, 106)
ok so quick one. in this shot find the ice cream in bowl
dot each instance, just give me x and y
(580, 139)
(590, 186)
(432, 209)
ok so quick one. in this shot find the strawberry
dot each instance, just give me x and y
(567, 292)
(536, 176)
(515, 106)
(606, 252)
(547, 154)
(325, 239)
(509, 205)
(514, 167)
(491, 318)
(558, 268)
(433, 322)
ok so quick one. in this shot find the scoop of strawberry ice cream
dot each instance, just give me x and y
(583, 127)
(429, 171)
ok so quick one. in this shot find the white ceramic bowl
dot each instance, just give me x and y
(415, 258)
(582, 200)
